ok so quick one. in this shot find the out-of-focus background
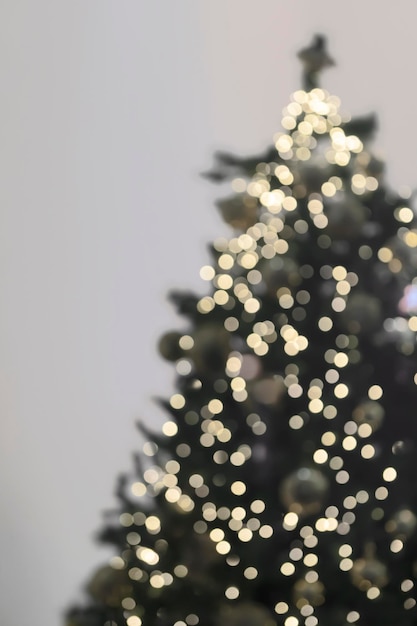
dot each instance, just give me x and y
(109, 111)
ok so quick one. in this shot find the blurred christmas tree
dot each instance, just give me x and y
(281, 489)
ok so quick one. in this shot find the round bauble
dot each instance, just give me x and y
(109, 586)
(244, 614)
(279, 272)
(251, 366)
(169, 347)
(240, 211)
(369, 412)
(346, 216)
(201, 560)
(313, 173)
(369, 572)
(402, 447)
(200, 555)
(403, 524)
(211, 348)
(304, 491)
(268, 391)
(403, 253)
(308, 593)
(362, 313)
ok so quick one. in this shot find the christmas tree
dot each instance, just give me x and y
(280, 490)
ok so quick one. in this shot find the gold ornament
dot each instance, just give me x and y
(369, 412)
(267, 391)
(368, 572)
(403, 524)
(109, 586)
(200, 557)
(279, 272)
(239, 211)
(169, 347)
(211, 348)
(362, 313)
(304, 491)
(312, 174)
(308, 593)
(345, 214)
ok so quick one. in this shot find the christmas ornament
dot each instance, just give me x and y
(211, 348)
(308, 593)
(239, 211)
(169, 347)
(403, 524)
(201, 556)
(267, 391)
(313, 174)
(369, 412)
(251, 366)
(279, 272)
(245, 614)
(403, 447)
(362, 313)
(369, 572)
(110, 586)
(346, 216)
(304, 491)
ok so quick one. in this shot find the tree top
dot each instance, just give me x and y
(315, 58)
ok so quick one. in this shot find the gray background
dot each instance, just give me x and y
(109, 110)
